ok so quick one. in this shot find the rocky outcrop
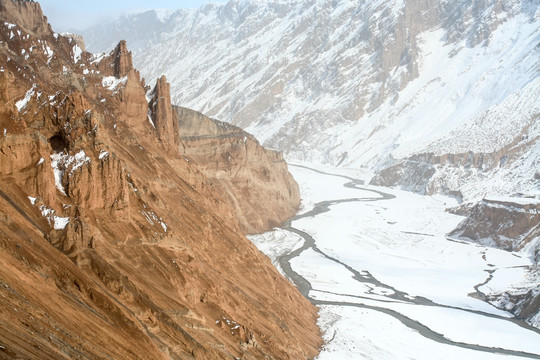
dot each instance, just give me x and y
(523, 303)
(506, 224)
(411, 175)
(162, 114)
(112, 244)
(254, 179)
(123, 61)
(195, 124)
(27, 15)
(462, 172)
(512, 225)
(78, 39)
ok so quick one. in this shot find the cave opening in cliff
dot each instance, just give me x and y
(58, 143)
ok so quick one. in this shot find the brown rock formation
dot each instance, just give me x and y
(123, 61)
(26, 14)
(503, 224)
(162, 114)
(195, 124)
(255, 180)
(112, 245)
(78, 39)
(509, 225)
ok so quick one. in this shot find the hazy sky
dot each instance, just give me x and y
(68, 14)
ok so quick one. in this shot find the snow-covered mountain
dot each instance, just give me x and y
(435, 96)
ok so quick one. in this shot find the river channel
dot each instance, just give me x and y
(364, 276)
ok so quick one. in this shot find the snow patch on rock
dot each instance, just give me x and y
(111, 82)
(62, 163)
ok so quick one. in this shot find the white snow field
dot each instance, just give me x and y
(388, 282)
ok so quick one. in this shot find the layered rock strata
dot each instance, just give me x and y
(251, 177)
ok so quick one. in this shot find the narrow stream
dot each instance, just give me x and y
(364, 277)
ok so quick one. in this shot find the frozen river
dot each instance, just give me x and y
(388, 283)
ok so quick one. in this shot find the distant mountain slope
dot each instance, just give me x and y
(360, 83)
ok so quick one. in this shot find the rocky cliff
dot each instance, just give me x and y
(496, 164)
(524, 302)
(509, 224)
(437, 96)
(112, 243)
(251, 177)
(27, 15)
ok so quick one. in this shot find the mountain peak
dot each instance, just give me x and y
(123, 61)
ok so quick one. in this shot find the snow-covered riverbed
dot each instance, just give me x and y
(388, 282)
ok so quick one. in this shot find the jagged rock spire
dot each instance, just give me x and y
(162, 113)
(123, 62)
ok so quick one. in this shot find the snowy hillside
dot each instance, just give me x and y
(360, 83)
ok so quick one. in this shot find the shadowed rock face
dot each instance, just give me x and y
(410, 175)
(524, 303)
(112, 244)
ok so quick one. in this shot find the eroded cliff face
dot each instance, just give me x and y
(27, 15)
(162, 114)
(112, 243)
(523, 302)
(501, 223)
(254, 179)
